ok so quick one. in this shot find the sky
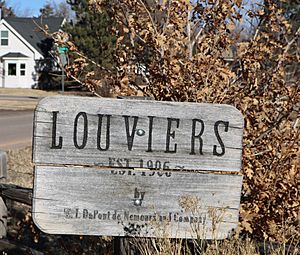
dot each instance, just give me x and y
(28, 7)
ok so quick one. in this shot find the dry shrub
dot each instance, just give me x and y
(177, 48)
(20, 167)
(233, 247)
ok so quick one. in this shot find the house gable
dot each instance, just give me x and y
(22, 48)
(17, 42)
(29, 29)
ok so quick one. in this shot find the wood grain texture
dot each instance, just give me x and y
(3, 217)
(121, 202)
(18, 194)
(148, 134)
(3, 164)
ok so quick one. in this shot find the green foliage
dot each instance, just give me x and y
(91, 33)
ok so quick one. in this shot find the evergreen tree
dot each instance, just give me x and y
(47, 10)
(91, 33)
(52, 8)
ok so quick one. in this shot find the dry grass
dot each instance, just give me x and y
(26, 92)
(17, 105)
(20, 168)
(33, 94)
(233, 246)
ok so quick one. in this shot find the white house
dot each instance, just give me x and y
(24, 50)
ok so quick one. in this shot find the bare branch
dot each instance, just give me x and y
(188, 28)
(288, 46)
(168, 17)
(198, 36)
(150, 17)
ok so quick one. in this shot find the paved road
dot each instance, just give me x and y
(15, 129)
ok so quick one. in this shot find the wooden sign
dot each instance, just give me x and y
(135, 133)
(120, 202)
(127, 168)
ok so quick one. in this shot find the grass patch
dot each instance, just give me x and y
(26, 92)
(17, 105)
(33, 94)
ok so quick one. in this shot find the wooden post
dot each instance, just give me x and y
(3, 219)
(3, 164)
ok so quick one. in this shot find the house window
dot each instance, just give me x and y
(4, 38)
(12, 69)
(22, 69)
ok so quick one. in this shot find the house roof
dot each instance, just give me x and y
(29, 30)
(14, 55)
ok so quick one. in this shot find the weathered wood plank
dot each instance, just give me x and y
(118, 202)
(20, 195)
(3, 164)
(137, 133)
(3, 219)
